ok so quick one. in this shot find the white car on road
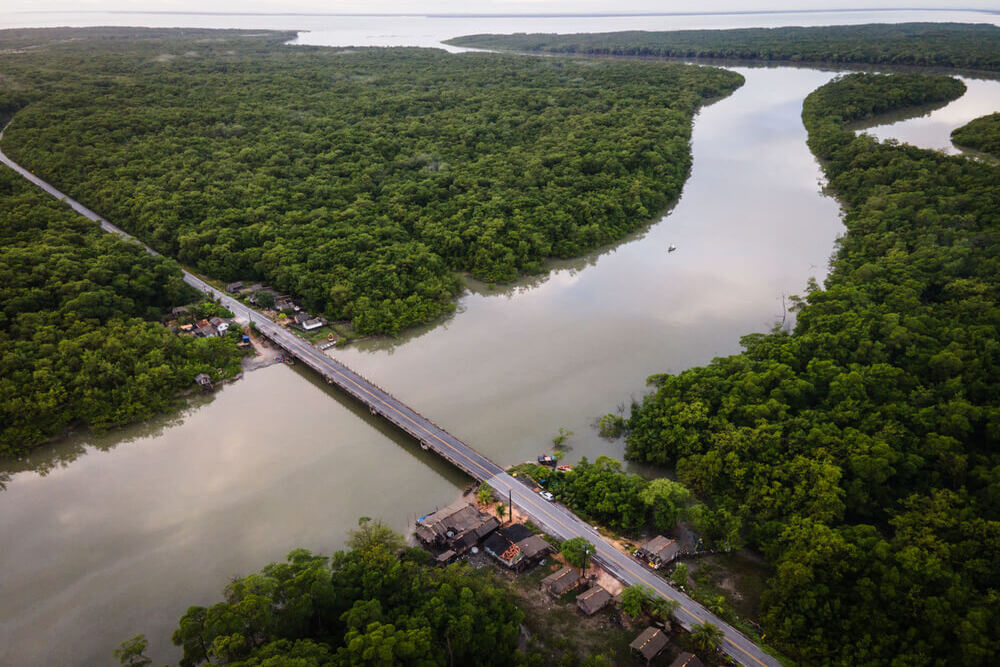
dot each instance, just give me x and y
(548, 496)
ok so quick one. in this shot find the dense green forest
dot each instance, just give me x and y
(981, 134)
(952, 45)
(860, 451)
(80, 337)
(377, 603)
(360, 180)
(602, 491)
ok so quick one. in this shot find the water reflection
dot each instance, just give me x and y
(932, 127)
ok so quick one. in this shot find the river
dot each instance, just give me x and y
(109, 535)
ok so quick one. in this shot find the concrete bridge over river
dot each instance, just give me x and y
(552, 517)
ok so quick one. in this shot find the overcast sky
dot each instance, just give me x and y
(478, 6)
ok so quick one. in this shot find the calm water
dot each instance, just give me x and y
(107, 536)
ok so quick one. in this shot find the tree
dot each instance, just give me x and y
(664, 608)
(131, 652)
(485, 494)
(665, 499)
(680, 574)
(560, 438)
(577, 552)
(707, 637)
(264, 298)
(634, 598)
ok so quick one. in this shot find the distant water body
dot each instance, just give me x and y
(429, 30)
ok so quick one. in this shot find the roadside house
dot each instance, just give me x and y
(516, 546)
(457, 527)
(561, 582)
(302, 317)
(658, 551)
(593, 600)
(687, 660)
(220, 324)
(314, 323)
(650, 643)
(233, 288)
(205, 329)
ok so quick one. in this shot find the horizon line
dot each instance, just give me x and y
(623, 14)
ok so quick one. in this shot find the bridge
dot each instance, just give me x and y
(552, 517)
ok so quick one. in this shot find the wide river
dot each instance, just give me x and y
(105, 536)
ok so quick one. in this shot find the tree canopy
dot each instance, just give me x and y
(361, 180)
(376, 603)
(981, 134)
(955, 45)
(860, 452)
(80, 333)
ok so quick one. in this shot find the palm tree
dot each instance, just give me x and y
(707, 637)
(665, 608)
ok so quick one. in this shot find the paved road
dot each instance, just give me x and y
(554, 518)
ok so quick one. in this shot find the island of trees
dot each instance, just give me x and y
(860, 452)
(981, 134)
(952, 45)
(80, 335)
(361, 180)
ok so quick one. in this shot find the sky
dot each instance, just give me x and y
(477, 6)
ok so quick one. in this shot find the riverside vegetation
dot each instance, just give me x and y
(80, 333)
(981, 134)
(860, 451)
(360, 180)
(953, 45)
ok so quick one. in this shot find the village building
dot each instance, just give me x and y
(658, 551)
(687, 660)
(650, 643)
(561, 582)
(233, 288)
(516, 546)
(302, 317)
(220, 324)
(186, 328)
(314, 323)
(457, 527)
(178, 311)
(205, 329)
(203, 380)
(593, 600)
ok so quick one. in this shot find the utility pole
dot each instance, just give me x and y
(510, 503)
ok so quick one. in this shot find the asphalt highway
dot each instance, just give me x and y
(554, 518)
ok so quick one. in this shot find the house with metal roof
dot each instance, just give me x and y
(658, 551)
(593, 600)
(561, 582)
(649, 643)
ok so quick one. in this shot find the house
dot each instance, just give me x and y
(302, 317)
(658, 551)
(445, 557)
(561, 582)
(283, 304)
(547, 461)
(687, 660)
(220, 324)
(314, 323)
(205, 329)
(457, 527)
(186, 328)
(233, 288)
(501, 548)
(593, 600)
(203, 380)
(516, 546)
(650, 643)
(178, 311)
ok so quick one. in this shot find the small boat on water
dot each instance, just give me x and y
(671, 248)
